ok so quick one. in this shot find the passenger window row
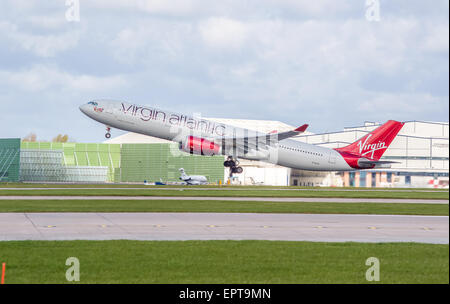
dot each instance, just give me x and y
(302, 151)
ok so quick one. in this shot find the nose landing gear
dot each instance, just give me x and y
(108, 134)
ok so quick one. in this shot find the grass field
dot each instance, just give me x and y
(125, 261)
(223, 262)
(252, 192)
(218, 206)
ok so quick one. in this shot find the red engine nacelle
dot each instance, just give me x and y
(200, 146)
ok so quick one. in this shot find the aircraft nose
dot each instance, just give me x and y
(84, 108)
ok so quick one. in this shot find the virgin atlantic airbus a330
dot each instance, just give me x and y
(201, 136)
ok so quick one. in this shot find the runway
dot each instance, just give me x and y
(224, 226)
(227, 198)
(225, 188)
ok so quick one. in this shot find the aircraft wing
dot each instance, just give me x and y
(292, 133)
(263, 139)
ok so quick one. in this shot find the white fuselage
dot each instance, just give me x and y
(194, 179)
(173, 126)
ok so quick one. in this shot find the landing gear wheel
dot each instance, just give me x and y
(237, 170)
(233, 164)
(108, 135)
(229, 163)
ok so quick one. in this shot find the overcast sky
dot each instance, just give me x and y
(321, 62)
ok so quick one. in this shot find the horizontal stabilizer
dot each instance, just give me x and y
(373, 164)
(376, 162)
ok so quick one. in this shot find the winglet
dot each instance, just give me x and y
(301, 128)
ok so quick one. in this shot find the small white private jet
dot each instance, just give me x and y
(193, 179)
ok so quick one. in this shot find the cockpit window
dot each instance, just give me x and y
(93, 103)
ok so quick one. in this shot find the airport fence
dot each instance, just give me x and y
(9, 159)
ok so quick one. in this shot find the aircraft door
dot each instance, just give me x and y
(109, 109)
(332, 158)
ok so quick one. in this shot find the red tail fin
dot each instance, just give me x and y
(374, 144)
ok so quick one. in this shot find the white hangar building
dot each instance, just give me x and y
(421, 150)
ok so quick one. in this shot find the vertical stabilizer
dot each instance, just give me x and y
(374, 144)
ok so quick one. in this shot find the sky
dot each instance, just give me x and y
(331, 64)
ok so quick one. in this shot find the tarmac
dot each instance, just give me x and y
(227, 198)
(224, 226)
(225, 188)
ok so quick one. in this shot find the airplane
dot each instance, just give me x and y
(196, 135)
(192, 179)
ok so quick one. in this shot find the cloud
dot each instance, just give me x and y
(437, 39)
(43, 45)
(151, 41)
(41, 78)
(224, 33)
(289, 60)
(278, 64)
(173, 8)
(411, 104)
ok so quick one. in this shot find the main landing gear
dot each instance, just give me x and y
(233, 164)
(108, 134)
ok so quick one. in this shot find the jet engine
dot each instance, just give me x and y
(199, 146)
